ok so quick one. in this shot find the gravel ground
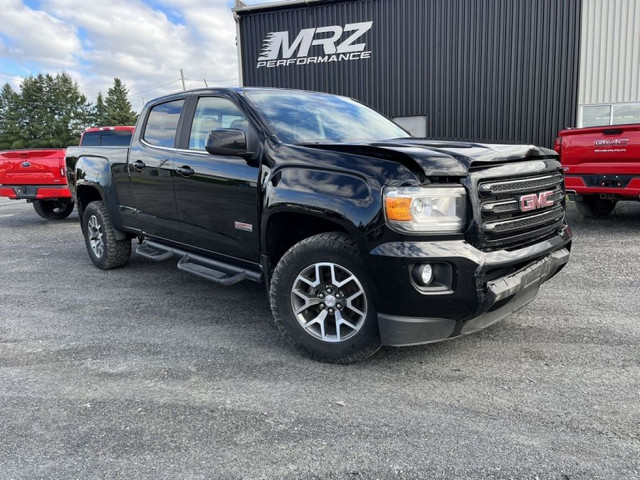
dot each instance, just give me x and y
(147, 372)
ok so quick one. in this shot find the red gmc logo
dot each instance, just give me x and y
(534, 202)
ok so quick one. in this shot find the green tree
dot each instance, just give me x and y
(34, 121)
(9, 118)
(69, 110)
(100, 112)
(119, 111)
(52, 112)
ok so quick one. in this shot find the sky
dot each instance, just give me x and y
(145, 43)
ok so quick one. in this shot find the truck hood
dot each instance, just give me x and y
(441, 158)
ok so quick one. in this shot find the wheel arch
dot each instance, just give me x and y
(284, 229)
(301, 202)
(85, 194)
(94, 182)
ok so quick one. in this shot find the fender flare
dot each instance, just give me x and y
(344, 198)
(93, 171)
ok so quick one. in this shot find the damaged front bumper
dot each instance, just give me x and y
(466, 307)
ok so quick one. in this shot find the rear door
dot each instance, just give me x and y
(151, 171)
(217, 195)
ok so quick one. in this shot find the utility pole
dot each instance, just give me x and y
(182, 77)
(239, 4)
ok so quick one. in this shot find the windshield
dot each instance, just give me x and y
(306, 117)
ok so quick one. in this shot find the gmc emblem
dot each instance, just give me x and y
(534, 202)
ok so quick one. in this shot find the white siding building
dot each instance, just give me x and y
(609, 81)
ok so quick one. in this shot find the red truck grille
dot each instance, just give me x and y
(518, 211)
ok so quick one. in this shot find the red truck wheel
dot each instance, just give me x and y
(53, 209)
(592, 206)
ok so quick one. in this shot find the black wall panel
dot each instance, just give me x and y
(481, 70)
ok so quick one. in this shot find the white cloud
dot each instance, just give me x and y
(97, 41)
(37, 36)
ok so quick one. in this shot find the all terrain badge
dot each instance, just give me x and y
(245, 227)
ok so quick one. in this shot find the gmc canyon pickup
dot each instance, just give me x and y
(38, 175)
(363, 235)
(601, 166)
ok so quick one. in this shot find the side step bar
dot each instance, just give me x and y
(213, 270)
(152, 253)
(216, 276)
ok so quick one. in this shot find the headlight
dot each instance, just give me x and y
(426, 209)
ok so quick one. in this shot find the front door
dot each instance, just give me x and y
(216, 195)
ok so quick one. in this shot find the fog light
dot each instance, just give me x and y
(423, 274)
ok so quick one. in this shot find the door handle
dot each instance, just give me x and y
(138, 165)
(185, 171)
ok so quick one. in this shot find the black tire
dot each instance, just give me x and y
(592, 206)
(345, 328)
(53, 209)
(105, 250)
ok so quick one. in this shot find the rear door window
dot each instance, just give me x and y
(162, 123)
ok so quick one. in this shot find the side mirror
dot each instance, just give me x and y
(227, 141)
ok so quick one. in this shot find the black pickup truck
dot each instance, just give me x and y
(364, 235)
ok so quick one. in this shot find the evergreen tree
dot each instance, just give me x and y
(69, 110)
(100, 112)
(9, 118)
(52, 112)
(119, 111)
(35, 123)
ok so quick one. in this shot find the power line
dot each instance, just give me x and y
(134, 94)
(155, 88)
(213, 81)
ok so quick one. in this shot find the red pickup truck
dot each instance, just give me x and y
(601, 166)
(39, 175)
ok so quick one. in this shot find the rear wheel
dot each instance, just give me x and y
(105, 250)
(322, 300)
(53, 209)
(593, 206)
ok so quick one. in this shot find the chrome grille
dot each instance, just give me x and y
(521, 185)
(504, 224)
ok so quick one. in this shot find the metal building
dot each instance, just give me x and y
(609, 86)
(479, 70)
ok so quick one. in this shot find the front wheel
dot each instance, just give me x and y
(322, 300)
(53, 209)
(105, 250)
(593, 206)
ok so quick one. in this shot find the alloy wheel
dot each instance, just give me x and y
(329, 302)
(94, 231)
